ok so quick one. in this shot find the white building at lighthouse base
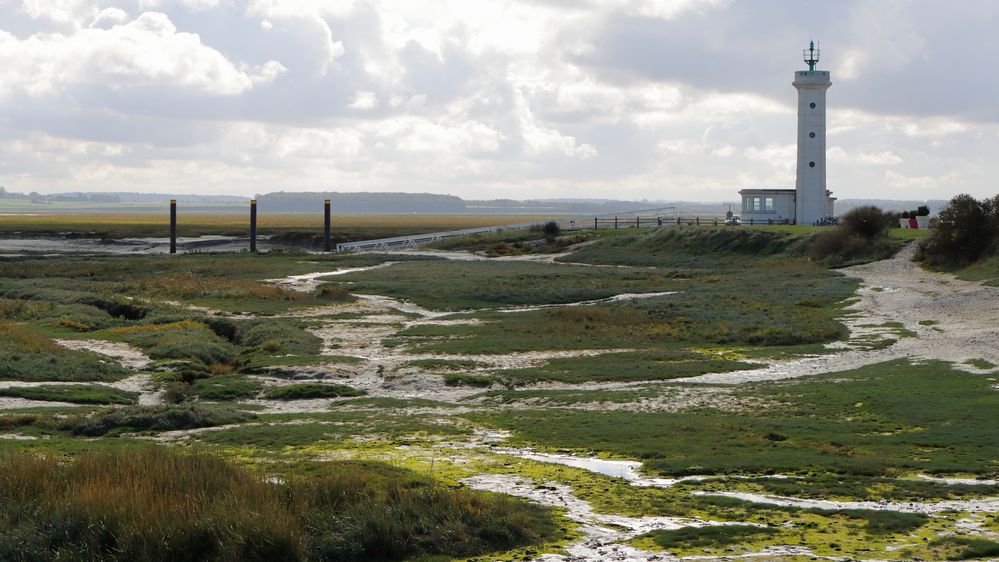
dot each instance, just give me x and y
(777, 205)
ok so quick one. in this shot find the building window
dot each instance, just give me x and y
(811, 135)
(812, 105)
(757, 204)
(768, 204)
(811, 164)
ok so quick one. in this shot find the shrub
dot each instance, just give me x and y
(966, 231)
(333, 292)
(862, 235)
(867, 221)
(464, 379)
(923, 211)
(181, 340)
(75, 393)
(176, 393)
(28, 356)
(155, 418)
(226, 388)
(713, 535)
(305, 391)
(280, 338)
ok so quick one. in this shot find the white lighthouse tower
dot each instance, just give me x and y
(812, 201)
(809, 202)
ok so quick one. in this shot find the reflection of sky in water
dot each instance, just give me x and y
(618, 469)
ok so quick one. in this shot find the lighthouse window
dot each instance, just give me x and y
(812, 105)
(811, 164)
(811, 135)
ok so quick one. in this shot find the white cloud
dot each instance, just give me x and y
(896, 179)
(364, 100)
(488, 98)
(146, 52)
(837, 154)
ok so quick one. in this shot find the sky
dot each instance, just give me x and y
(618, 99)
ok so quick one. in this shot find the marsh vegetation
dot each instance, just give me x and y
(283, 414)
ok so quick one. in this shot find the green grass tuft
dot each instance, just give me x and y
(304, 391)
(74, 393)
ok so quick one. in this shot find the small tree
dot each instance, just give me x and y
(966, 230)
(868, 221)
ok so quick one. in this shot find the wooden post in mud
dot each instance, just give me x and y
(253, 225)
(326, 226)
(173, 226)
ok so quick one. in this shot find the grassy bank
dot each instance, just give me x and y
(154, 504)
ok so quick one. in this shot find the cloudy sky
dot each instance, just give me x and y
(656, 99)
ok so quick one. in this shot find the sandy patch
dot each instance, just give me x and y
(128, 356)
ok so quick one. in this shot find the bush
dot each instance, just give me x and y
(966, 230)
(28, 356)
(862, 235)
(333, 292)
(75, 393)
(867, 221)
(226, 388)
(181, 340)
(155, 418)
(305, 391)
(280, 338)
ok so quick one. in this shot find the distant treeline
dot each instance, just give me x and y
(35, 197)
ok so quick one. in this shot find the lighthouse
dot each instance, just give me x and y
(809, 202)
(811, 197)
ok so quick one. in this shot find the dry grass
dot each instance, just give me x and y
(190, 286)
(154, 504)
(27, 341)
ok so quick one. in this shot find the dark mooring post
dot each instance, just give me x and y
(253, 225)
(326, 226)
(173, 226)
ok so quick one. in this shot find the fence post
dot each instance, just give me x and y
(595, 225)
(697, 221)
(659, 220)
(615, 223)
(751, 221)
(716, 222)
(638, 222)
(326, 226)
(173, 226)
(770, 221)
(253, 225)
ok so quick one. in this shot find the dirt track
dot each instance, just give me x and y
(961, 322)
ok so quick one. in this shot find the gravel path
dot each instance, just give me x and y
(964, 316)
